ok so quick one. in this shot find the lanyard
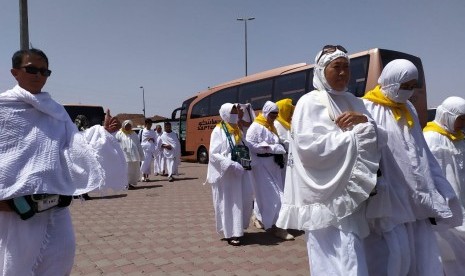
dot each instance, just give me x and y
(231, 145)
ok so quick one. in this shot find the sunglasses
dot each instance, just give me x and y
(34, 70)
(328, 49)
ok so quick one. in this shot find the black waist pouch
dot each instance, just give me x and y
(279, 159)
(27, 206)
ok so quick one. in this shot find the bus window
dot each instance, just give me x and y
(388, 56)
(201, 108)
(358, 75)
(228, 95)
(290, 86)
(310, 80)
(256, 93)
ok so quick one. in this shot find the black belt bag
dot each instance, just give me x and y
(28, 206)
(278, 158)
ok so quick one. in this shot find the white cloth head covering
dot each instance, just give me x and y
(127, 122)
(225, 112)
(249, 114)
(269, 107)
(448, 111)
(395, 73)
(319, 79)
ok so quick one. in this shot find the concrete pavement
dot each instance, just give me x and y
(168, 228)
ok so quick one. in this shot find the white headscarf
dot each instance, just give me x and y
(127, 122)
(269, 107)
(319, 79)
(394, 74)
(249, 114)
(448, 111)
(225, 112)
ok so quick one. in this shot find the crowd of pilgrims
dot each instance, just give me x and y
(375, 193)
(146, 150)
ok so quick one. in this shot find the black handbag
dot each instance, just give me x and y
(240, 152)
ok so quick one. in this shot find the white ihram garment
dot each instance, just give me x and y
(173, 156)
(231, 189)
(267, 175)
(411, 190)
(158, 160)
(133, 153)
(330, 174)
(41, 151)
(284, 136)
(451, 158)
(148, 146)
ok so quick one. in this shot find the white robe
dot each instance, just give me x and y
(330, 174)
(172, 156)
(451, 157)
(267, 175)
(148, 146)
(158, 160)
(133, 153)
(41, 151)
(284, 136)
(232, 192)
(411, 190)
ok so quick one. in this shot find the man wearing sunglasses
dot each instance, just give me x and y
(45, 161)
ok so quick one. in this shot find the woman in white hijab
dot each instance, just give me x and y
(445, 139)
(133, 152)
(412, 193)
(231, 187)
(331, 170)
(263, 140)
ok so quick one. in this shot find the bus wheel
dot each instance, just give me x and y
(202, 155)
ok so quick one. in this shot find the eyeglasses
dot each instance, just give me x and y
(327, 49)
(34, 70)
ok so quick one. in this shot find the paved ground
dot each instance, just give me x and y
(168, 228)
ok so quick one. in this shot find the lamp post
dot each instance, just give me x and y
(143, 100)
(245, 19)
(23, 25)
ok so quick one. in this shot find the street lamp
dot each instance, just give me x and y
(143, 100)
(23, 25)
(245, 19)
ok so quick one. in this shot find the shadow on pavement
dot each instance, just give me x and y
(141, 187)
(108, 197)
(267, 238)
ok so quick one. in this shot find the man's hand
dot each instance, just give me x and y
(350, 119)
(111, 124)
(165, 146)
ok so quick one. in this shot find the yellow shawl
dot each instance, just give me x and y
(398, 109)
(127, 132)
(285, 112)
(233, 131)
(433, 126)
(262, 121)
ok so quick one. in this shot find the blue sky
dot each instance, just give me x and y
(101, 52)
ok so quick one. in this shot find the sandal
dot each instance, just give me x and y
(234, 241)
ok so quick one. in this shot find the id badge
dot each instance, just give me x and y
(47, 203)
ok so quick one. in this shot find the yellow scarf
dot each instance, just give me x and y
(285, 112)
(233, 131)
(260, 119)
(127, 132)
(433, 126)
(398, 109)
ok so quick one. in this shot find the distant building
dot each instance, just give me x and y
(138, 119)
